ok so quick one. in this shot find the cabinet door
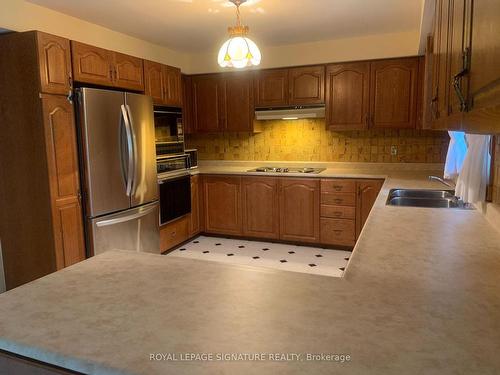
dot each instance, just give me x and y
(271, 88)
(260, 203)
(393, 93)
(299, 209)
(173, 86)
(208, 104)
(61, 148)
(194, 217)
(239, 103)
(153, 81)
(92, 64)
(368, 191)
(484, 98)
(54, 59)
(187, 100)
(347, 96)
(222, 205)
(307, 85)
(128, 72)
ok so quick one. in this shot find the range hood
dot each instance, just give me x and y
(290, 113)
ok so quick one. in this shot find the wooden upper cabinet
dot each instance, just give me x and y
(368, 191)
(393, 93)
(92, 64)
(153, 81)
(239, 102)
(260, 203)
(54, 59)
(307, 85)
(61, 148)
(107, 68)
(347, 96)
(271, 88)
(299, 209)
(187, 101)
(208, 103)
(128, 72)
(172, 86)
(222, 204)
(484, 89)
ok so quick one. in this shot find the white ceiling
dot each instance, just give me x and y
(200, 25)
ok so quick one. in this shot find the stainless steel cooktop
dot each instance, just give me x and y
(287, 170)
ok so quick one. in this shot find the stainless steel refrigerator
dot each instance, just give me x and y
(117, 142)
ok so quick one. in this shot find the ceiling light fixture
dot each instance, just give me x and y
(238, 51)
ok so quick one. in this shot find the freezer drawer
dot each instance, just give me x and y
(135, 229)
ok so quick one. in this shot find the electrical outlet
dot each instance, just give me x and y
(394, 150)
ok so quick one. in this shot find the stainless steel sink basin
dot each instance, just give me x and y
(426, 198)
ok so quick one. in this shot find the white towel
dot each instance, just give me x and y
(474, 177)
(456, 154)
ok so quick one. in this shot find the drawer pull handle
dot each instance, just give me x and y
(337, 187)
(338, 200)
(173, 234)
(337, 232)
(337, 214)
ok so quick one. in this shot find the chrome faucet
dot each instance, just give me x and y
(448, 183)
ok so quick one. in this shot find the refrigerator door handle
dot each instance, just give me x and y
(122, 219)
(133, 187)
(130, 147)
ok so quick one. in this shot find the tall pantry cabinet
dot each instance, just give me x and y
(41, 227)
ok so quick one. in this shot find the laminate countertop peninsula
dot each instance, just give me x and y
(421, 295)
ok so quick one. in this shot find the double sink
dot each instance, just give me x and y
(426, 198)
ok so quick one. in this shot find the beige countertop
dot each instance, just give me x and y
(421, 294)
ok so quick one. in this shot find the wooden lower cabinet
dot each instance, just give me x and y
(299, 209)
(174, 233)
(222, 204)
(260, 204)
(62, 163)
(367, 191)
(337, 232)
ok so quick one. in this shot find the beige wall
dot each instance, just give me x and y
(19, 15)
(348, 49)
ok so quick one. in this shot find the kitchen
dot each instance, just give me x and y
(162, 199)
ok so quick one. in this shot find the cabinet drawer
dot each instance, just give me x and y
(338, 212)
(338, 199)
(337, 232)
(173, 233)
(338, 186)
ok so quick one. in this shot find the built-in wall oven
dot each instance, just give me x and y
(175, 187)
(169, 131)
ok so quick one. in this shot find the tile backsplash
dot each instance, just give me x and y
(309, 140)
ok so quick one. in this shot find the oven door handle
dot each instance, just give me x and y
(173, 176)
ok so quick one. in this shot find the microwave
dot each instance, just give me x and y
(169, 131)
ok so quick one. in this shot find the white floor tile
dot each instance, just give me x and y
(326, 262)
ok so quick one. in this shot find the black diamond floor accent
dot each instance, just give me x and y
(196, 241)
(218, 244)
(230, 255)
(342, 268)
(241, 247)
(312, 265)
(255, 257)
(319, 256)
(346, 258)
(283, 260)
(291, 252)
(206, 251)
(265, 249)
(182, 249)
